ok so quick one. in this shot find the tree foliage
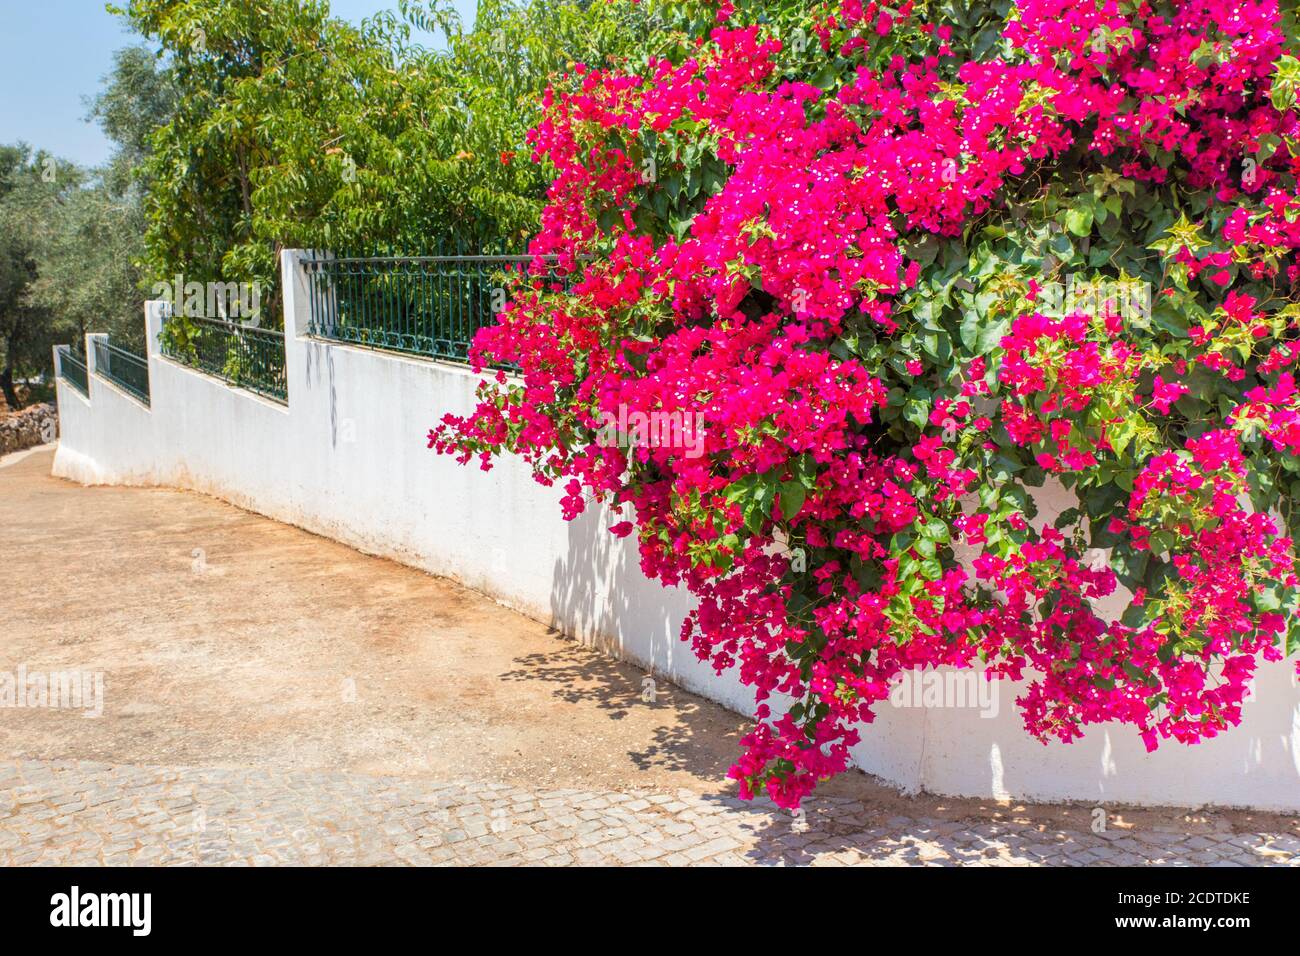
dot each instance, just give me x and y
(34, 189)
(72, 238)
(296, 129)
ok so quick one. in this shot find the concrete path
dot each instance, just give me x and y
(270, 696)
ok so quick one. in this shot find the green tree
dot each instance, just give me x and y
(71, 239)
(138, 97)
(86, 262)
(33, 189)
(292, 128)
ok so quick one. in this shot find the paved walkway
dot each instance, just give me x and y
(272, 697)
(93, 814)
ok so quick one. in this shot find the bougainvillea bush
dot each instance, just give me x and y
(906, 266)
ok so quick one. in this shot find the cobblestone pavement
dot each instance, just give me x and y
(79, 813)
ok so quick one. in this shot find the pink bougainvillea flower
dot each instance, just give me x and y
(831, 330)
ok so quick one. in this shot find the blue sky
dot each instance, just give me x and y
(54, 52)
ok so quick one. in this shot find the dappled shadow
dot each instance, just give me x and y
(599, 595)
(689, 735)
(675, 748)
(580, 675)
(926, 830)
(860, 832)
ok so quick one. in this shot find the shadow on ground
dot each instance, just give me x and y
(692, 736)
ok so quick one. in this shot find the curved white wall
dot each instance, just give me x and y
(347, 458)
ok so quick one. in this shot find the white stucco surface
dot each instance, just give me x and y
(347, 458)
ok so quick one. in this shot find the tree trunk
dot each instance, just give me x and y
(7, 382)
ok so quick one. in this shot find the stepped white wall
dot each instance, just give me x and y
(347, 458)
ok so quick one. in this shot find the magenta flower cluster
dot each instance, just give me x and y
(833, 538)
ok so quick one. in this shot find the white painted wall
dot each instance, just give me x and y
(347, 458)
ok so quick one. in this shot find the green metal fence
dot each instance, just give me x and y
(124, 369)
(427, 305)
(72, 369)
(246, 357)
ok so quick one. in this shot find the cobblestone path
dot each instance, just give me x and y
(81, 813)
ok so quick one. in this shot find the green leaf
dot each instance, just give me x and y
(936, 530)
(1079, 220)
(793, 495)
(1161, 541)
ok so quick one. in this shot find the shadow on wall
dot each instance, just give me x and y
(599, 595)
